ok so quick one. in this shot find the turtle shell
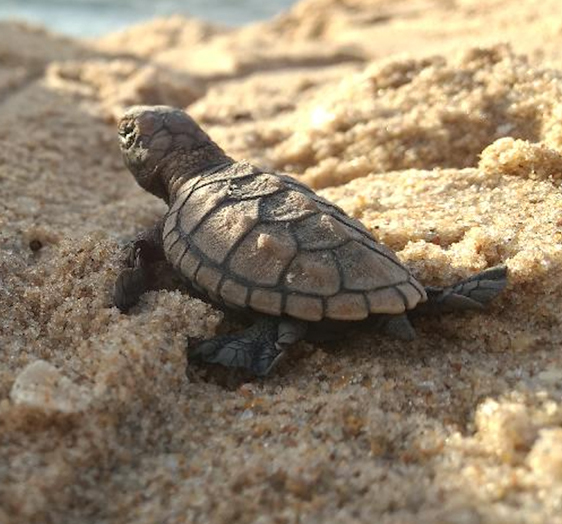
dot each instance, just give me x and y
(264, 241)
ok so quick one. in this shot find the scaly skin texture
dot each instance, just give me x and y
(163, 147)
(167, 152)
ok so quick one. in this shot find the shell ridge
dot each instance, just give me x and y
(253, 197)
(380, 252)
(291, 221)
(204, 182)
(294, 183)
(291, 229)
(319, 200)
(213, 178)
(207, 261)
(285, 211)
(313, 249)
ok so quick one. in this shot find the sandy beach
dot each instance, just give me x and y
(437, 123)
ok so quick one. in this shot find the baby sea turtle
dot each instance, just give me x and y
(250, 239)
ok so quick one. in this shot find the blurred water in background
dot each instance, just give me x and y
(96, 17)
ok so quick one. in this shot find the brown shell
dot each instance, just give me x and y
(267, 242)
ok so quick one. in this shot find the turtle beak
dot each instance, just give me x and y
(127, 134)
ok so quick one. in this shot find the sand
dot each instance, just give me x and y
(436, 123)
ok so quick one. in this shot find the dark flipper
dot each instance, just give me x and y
(133, 281)
(398, 327)
(257, 348)
(472, 293)
(129, 286)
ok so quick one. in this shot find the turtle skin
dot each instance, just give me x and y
(262, 242)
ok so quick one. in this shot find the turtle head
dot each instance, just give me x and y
(151, 136)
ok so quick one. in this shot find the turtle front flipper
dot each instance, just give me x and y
(473, 293)
(131, 283)
(139, 254)
(257, 348)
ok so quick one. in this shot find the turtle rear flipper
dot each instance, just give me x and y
(473, 293)
(258, 348)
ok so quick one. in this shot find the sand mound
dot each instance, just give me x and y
(392, 116)
(451, 155)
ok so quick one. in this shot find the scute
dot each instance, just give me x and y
(419, 288)
(386, 301)
(266, 301)
(201, 202)
(188, 264)
(208, 278)
(169, 226)
(171, 217)
(170, 240)
(224, 227)
(254, 187)
(313, 273)
(303, 307)
(371, 243)
(339, 214)
(410, 294)
(293, 183)
(264, 254)
(234, 293)
(365, 269)
(183, 192)
(347, 306)
(320, 231)
(234, 171)
(287, 206)
(175, 247)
